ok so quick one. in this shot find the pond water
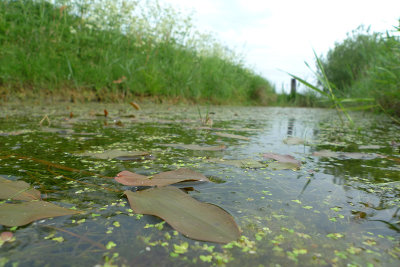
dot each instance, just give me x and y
(339, 208)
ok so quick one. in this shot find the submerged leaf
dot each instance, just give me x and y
(27, 212)
(197, 147)
(234, 136)
(161, 179)
(17, 190)
(117, 154)
(293, 141)
(194, 219)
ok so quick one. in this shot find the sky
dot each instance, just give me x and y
(276, 37)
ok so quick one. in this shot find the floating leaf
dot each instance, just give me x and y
(241, 163)
(370, 147)
(118, 154)
(357, 155)
(282, 165)
(234, 136)
(27, 212)
(282, 158)
(161, 179)
(325, 153)
(349, 155)
(293, 141)
(283, 162)
(194, 219)
(197, 147)
(17, 190)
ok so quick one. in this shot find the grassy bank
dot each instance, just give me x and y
(102, 49)
(366, 65)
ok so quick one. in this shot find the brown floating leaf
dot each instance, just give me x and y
(228, 135)
(197, 147)
(117, 154)
(325, 153)
(293, 141)
(27, 212)
(17, 190)
(194, 219)
(283, 161)
(282, 158)
(161, 179)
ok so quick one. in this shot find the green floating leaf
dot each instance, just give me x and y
(27, 212)
(194, 219)
(161, 179)
(241, 163)
(283, 166)
(293, 141)
(17, 190)
(234, 136)
(197, 147)
(117, 154)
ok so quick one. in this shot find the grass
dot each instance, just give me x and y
(362, 73)
(366, 65)
(97, 50)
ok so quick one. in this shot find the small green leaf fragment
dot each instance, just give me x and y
(206, 258)
(116, 224)
(174, 255)
(296, 201)
(335, 235)
(301, 251)
(111, 245)
(336, 209)
(58, 239)
(182, 248)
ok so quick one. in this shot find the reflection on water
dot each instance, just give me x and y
(335, 211)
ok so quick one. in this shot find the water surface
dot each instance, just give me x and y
(333, 211)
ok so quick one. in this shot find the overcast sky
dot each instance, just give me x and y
(281, 35)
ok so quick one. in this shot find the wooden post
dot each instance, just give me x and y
(293, 88)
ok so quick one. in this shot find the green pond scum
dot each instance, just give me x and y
(339, 207)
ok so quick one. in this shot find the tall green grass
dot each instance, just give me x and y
(366, 65)
(119, 46)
